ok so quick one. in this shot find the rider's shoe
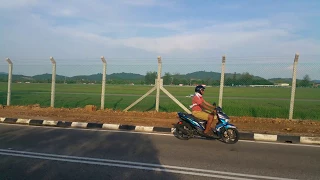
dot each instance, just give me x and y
(210, 134)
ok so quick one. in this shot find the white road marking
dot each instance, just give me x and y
(160, 134)
(137, 165)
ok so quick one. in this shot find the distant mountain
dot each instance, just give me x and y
(214, 75)
(128, 76)
(281, 80)
(113, 76)
(46, 77)
(93, 77)
(199, 75)
(202, 75)
(15, 77)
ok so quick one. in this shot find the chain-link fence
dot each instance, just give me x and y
(253, 86)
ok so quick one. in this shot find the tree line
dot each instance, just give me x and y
(243, 79)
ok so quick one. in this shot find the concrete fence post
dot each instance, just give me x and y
(222, 80)
(53, 81)
(9, 81)
(293, 87)
(158, 83)
(103, 81)
(158, 86)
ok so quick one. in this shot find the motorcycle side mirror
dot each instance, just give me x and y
(214, 104)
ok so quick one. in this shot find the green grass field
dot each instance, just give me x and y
(237, 101)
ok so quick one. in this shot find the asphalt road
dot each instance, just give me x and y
(28, 152)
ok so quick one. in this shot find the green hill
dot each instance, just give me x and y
(202, 75)
(127, 76)
(120, 78)
(114, 76)
(47, 77)
(214, 75)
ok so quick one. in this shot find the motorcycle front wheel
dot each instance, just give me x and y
(230, 135)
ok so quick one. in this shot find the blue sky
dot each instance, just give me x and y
(183, 32)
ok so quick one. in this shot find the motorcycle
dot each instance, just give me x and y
(189, 126)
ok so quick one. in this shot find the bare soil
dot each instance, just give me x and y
(159, 119)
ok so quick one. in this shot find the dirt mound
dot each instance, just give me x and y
(161, 119)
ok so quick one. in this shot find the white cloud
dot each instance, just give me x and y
(255, 34)
(66, 12)
(17, 3)
(193, 42)
(111, 29)
(232, 6)
(177, 25)
(140, 2)
(146, 3)
(271, 42)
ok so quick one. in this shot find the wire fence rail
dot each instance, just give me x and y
(263, 87)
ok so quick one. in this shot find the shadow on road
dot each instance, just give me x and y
(93, 144)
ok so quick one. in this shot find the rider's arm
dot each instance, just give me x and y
(208, 107)
(208, 104)
(204, 105)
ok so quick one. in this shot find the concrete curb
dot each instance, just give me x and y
(243, 135)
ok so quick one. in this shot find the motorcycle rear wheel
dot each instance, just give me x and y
(230, 135)
(179, 132)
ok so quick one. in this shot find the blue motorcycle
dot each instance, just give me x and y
(190, 126)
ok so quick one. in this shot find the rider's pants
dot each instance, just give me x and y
(200, 114)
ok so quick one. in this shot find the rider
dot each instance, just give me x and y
(202, 109)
